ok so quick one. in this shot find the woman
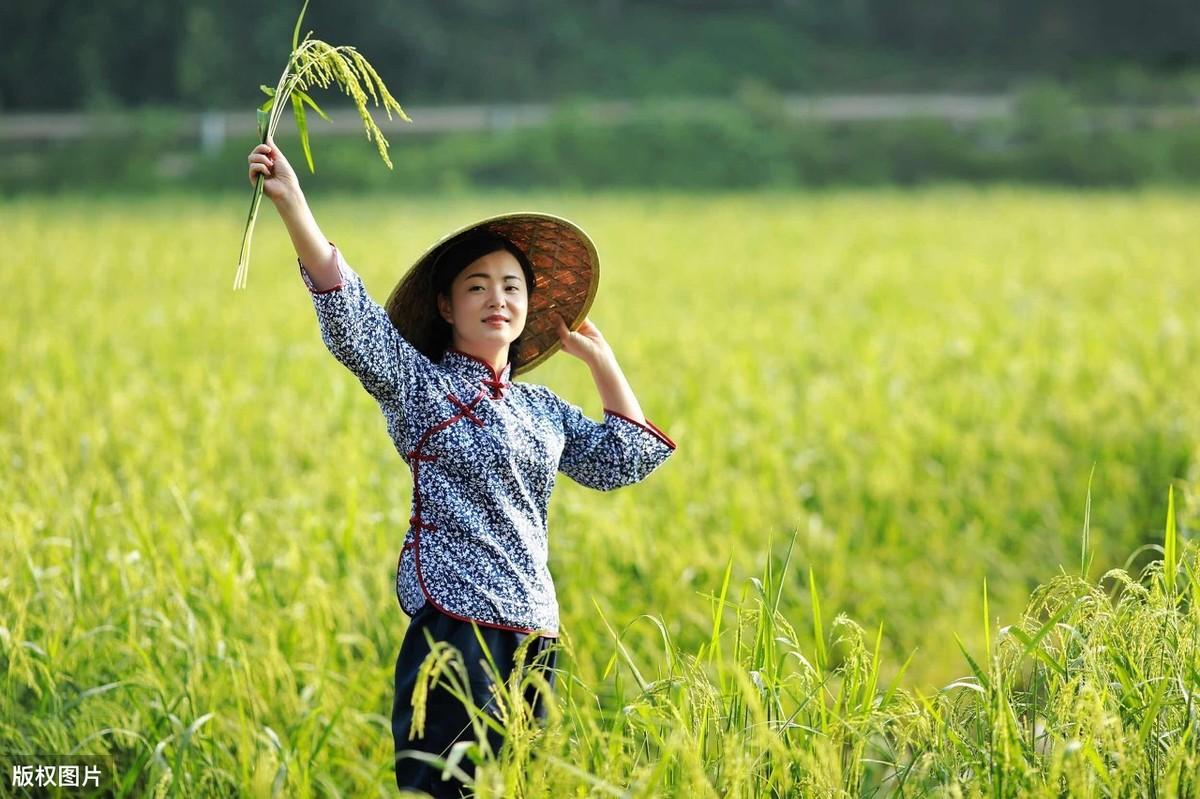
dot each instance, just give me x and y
(482, 304)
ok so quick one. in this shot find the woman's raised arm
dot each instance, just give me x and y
(354, 327)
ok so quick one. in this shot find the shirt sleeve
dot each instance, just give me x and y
(358, 332)
(610, 454)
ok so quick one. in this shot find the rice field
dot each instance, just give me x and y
(926, 532)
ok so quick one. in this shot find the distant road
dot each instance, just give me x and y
(465, 118)
(211, 128)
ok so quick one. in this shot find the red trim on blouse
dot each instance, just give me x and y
(649, 426)
(497, 387)
(428, 598)
(496, 376)
(466, 409)
(308, 278)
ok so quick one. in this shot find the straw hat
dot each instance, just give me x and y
(566, 273)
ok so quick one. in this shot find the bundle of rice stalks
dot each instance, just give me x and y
(314, 62)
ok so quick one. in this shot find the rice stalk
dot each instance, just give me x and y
(315, 63)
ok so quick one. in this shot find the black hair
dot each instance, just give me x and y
(455, 256)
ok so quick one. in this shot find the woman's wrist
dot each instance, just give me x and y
(614, 389)
(602, 361)
(291, 202)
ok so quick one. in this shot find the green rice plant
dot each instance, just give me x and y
(757, 716)
(507, 713)
(180, 548)
(1090, 693)
(314, 63)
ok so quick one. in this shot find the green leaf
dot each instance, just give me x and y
(268, 105)
(296, 30)
(987, 623)
(637, 675)
(1032, 648)
(1151, 713)
(309, 101)
(267, 90)
(718, 612)
(1033, 643)
(302, 126)
(1085, 552)
(895, 684)
(1170, 544)
(979, 673)
(818, 632)
(263, 121)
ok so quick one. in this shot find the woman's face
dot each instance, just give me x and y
(487, 302)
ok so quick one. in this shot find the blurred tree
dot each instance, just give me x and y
(71, 54)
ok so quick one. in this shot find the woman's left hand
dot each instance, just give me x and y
(586, 343)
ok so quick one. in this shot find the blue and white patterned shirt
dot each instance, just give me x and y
(484, 453)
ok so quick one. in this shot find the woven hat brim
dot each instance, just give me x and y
(566, 273)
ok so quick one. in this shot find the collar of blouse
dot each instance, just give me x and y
(476, 369)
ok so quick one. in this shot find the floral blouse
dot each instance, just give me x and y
(484, 453)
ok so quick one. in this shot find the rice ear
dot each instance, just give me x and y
(314, 61)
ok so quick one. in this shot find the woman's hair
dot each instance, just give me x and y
(455, 256)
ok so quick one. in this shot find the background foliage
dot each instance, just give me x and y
(1106, 92)
(65, 54)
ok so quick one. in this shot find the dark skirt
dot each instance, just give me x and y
(446, 720)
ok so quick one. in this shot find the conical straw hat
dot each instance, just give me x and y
(566, 273)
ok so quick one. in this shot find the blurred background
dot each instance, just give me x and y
(614, 93)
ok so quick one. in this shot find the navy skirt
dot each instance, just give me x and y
(446, 720)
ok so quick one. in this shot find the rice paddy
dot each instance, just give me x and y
(926, 532)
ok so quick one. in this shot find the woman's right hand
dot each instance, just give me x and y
(279, 179)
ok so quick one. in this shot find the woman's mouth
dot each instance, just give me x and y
(495, 321)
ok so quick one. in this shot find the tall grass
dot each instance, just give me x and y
(1090, 692)
(908, 398)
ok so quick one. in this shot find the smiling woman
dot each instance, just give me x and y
(483, 304)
